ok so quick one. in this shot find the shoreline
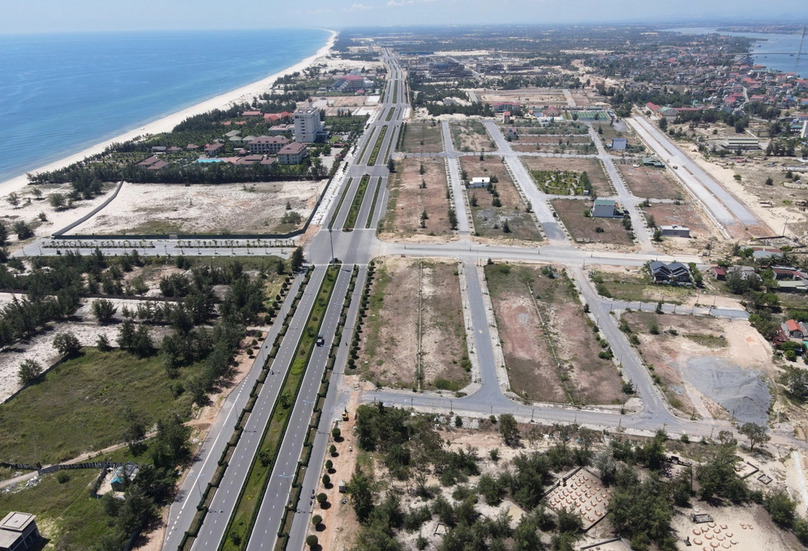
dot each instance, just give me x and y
(167, 123)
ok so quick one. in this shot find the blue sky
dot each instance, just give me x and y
(112, 15)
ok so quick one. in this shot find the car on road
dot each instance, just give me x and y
(320, 340)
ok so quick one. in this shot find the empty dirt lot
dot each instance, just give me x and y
(650, 182)
(550, 350)
(470, 135)
(393, 331)
(536, 96)
(683, 214)
(585, 228)
(422, 137)
(699, 337)
(226, 208)
(409, 199)
(513, 209)
(592, 167)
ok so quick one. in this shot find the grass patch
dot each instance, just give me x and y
(373, 205)
(341, 200)
(562, 182)
(390, 114)
(709, 341)
(640, 288)
(350, 220)
(421, 137)
(377, 146)
(77, 407)
(373, 321)
(241, 523)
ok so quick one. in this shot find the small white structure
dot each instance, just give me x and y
(18, 532)
(480, 182)
(675, 231)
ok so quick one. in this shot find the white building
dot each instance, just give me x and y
(308, 127)
(480, 182)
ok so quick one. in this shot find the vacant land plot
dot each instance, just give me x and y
(592, 167)
(677, 348)
(683, 214)
(79, 406)
(470, 135)
(422, 137)
(551, 353)
(415, 305)
(587, 229)
(418, 188)
(561, 129)
(535, 96)
(266, 207)
(490, 220)
(650, 182)
(526, 145)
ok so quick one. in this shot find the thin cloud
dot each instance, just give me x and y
(355, 7)
(397, 3)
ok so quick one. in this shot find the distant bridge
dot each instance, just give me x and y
(797, 53)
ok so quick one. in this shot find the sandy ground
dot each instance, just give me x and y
(736, 528)
(40, 346)
(234, 208)
(29, 208)
(670, 354)
(222, 101)
(725, 176)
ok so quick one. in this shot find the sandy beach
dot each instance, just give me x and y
(239, 95)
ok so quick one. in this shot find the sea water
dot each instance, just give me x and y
(62, 93)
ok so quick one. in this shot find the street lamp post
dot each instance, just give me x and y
(331, 240)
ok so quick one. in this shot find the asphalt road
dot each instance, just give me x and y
(624, 196)
(277, 493)
(352, 247)
(224, 501)
(538, 200)
(183, 509)
(723, 206)
(334, 404)
(455, 181)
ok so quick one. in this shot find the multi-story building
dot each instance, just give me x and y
(292, 154)
(308, 126)
(267, 144)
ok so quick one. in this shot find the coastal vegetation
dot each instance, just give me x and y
(181, 149)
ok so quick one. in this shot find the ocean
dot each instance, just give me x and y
(62, 93)
(782, 46)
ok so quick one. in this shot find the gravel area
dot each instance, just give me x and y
(742, 392)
